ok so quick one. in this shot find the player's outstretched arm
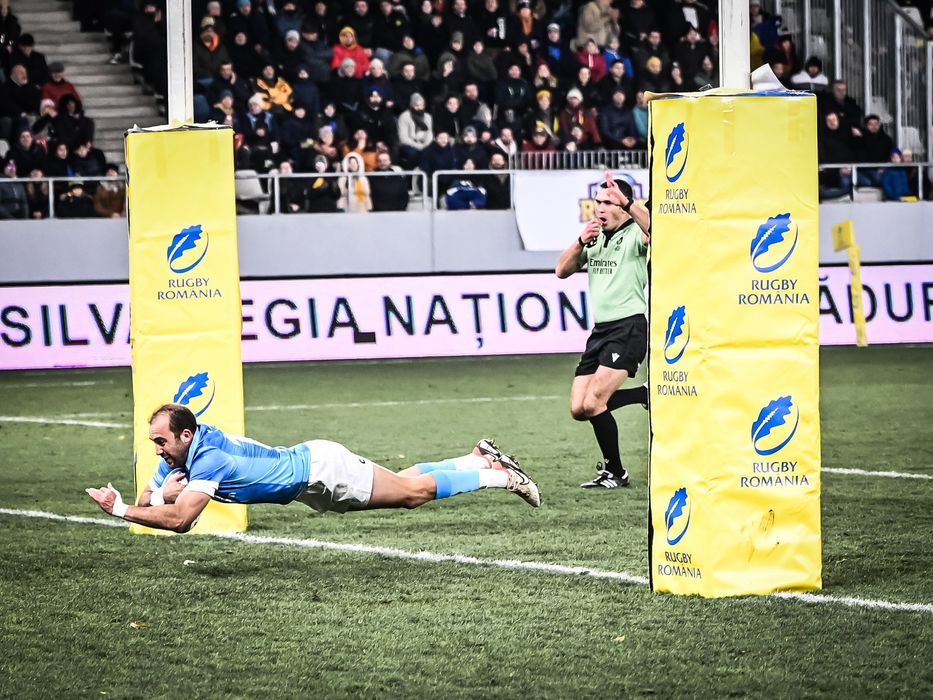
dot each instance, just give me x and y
(177, 517)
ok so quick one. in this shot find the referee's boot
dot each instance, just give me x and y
(605, 479)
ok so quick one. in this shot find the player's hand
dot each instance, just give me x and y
(174, 484)
(109, 500)
(613, 192)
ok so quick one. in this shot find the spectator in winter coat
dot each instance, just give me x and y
(470, 149)
(465, 192)
(514, 92)
(355, 193)
(597, 20)
(875, 146)
(895, 183)
(57, 87)
(27, 153)
(275, 90)
(544, 118)
(574, 114)
(524, 27)
(292, 190)
(835, 145)
(110, 197)
(322, 192)
(415, 132)
(70, 123)
(306, 93)
(410, 53)
(390, 191)
(499, 186)
(349, 48)
(811, 77)
(25, 54)
(76, 203)
(208, 53)
(377, 79)
(616, 79)
(13, 204)
(18, 99)
(591, 57)
(447, 117)
(617, 125)
(557, 55)
(439, 155)
(345, 89)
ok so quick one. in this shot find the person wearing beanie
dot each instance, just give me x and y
(415, 132)
(57, 87)
(323, 192)
(208, 53)
(24, 53)
(349, 48)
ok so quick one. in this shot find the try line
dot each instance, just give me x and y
(508, 564)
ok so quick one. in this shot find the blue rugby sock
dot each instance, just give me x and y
(450, 483)
(445, 465)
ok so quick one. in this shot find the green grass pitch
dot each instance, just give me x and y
(92, 611)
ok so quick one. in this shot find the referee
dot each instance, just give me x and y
(614, 247)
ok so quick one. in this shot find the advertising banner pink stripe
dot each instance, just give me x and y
(424, 316)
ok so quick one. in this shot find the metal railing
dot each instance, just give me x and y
(869, 181)
(266, 193)
(264, 190)
(580, 160)
(881, 52)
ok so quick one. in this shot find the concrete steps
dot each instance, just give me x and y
(111, 97)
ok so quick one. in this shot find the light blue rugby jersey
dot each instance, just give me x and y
(235, 469)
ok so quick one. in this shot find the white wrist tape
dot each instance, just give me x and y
(156, 498)
(119, 509)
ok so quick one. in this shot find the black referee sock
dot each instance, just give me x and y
(627, 397)
(607, 435)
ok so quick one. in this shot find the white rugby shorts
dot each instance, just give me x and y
(339, 480)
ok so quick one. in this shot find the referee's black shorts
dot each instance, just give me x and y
(618, 344)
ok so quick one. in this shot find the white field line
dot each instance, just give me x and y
(360, 404)
(867, 472)
(510, 564)
(400, 402)
(48, 420)
(35, 385)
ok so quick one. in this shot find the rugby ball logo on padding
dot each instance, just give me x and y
(775, 426)
(197, 393)
(677, 336)
(774, 243)
(675, 153)
(677, 516)
(187, 249)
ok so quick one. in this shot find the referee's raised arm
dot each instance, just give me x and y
(640, 215)
(573, 257)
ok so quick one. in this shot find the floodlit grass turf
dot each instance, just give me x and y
(243, 620)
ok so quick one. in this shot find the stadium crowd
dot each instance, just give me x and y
(323, 86)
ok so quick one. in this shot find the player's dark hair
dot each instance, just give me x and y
(622, 185)
(180, 418)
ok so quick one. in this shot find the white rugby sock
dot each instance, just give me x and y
(493, 479)
(470, 463)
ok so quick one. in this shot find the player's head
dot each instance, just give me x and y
(611, 215)
(172, 428)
